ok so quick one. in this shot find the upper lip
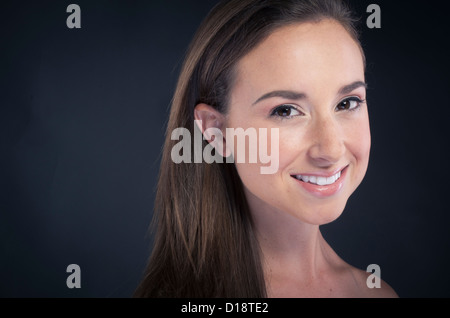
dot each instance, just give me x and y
(326, 174)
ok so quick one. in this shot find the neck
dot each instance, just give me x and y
(291, 249)
(286, 241)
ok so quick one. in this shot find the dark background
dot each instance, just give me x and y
(83, 114)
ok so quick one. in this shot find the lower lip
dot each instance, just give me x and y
(324, 190)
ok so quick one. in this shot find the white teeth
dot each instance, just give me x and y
(320, 180)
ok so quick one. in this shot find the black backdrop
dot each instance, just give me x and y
(83, 113)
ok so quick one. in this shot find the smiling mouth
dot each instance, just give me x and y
(319, 180)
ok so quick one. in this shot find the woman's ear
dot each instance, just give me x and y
(211, 123)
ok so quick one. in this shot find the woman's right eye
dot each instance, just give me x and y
(285, 111)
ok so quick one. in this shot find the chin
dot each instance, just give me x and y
(322, 216)
(328, 218)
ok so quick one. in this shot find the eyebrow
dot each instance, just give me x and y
(297, 95)
(351, 87)
(283, 94)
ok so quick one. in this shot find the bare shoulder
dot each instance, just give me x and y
(371, 286)
(358, 283)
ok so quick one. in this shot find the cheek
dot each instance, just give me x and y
(262, 186)
(273, 155)
(359, 143)
(291, 147)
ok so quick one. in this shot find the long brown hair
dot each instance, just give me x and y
(205, 245)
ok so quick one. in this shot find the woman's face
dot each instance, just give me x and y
(307, 80)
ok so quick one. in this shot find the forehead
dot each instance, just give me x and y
(306, 56)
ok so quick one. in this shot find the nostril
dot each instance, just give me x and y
(327, 153)
(324, 161)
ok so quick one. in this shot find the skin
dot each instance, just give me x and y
(320, 132)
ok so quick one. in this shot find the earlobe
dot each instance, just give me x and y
(211, 122)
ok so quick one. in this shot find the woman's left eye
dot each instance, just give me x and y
(351, 103)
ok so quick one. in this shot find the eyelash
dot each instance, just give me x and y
(285, 107)
(273, 113)
(358, 101)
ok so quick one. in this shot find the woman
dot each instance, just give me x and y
(295, 68)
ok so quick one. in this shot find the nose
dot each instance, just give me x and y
(327, 142)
